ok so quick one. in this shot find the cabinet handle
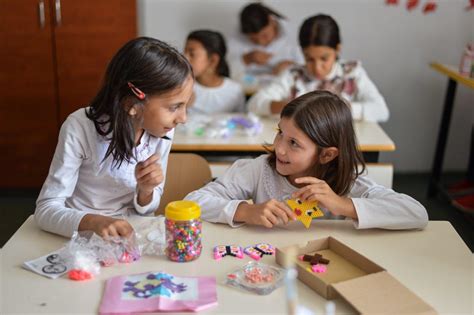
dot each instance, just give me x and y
(57, 6)
(41, 13)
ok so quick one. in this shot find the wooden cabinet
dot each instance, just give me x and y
(52, 58)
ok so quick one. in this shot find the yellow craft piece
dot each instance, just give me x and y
(305, 211)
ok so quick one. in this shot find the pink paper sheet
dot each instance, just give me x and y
(157, 292)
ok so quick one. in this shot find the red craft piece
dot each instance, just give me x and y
(79, 275)
(429, 7)
(298, 212)
(412, 4)
(391, 2)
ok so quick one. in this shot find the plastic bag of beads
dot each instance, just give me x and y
(221, 126)
(84, 265)
(256, 277)
(125, 248)
(151, 236)
(106, 252)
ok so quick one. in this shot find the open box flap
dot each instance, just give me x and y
(380, 293)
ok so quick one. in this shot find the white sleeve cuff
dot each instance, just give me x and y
(229, 212)
(361, 222)
(146, 209)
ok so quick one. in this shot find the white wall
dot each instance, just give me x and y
(394, 45)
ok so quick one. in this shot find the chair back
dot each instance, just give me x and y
(186, 172)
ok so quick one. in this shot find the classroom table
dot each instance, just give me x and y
(454, 77)
(372, 140)
(434, 263)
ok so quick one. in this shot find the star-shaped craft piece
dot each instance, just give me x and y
(305, 211)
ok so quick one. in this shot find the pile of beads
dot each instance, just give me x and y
(183, 239)
(183, 230)
(256, 275)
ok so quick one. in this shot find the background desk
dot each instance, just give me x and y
(372, 140)
(433, 263)
(454, 77)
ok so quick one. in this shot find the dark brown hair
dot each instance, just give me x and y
(255, 16)
(152, 66)
(327, 120)
(319, 30)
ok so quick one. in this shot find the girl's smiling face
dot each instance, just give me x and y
(296, 154)
(161, 113)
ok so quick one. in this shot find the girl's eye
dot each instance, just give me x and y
(174, 108)
(294, 143)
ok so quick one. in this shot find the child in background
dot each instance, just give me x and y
(314, 157)
(214, 92)
(265, 45)
(319, 38)
(112, 156)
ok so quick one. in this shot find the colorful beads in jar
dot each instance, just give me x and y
(183, 230)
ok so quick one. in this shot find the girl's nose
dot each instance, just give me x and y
(279, 149)
(317, 68)
(182, 116)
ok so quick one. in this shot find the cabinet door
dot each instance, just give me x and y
(28, 108)
(87, 34)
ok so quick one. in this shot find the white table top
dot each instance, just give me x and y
(370, 135)
(433, 263)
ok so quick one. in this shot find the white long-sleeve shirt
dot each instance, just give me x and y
(376, 206)
(283, 47)
(79, 182)
(226, 98)
(347, 78)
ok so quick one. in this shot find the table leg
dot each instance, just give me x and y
(442, 138)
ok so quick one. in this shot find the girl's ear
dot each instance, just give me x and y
(328, 154)
(214, 61)
(338, 48)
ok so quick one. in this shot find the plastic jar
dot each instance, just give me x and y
(183, 230)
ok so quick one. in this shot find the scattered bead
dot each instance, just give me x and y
(319, 268)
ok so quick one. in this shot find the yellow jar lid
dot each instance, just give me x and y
(182, 210)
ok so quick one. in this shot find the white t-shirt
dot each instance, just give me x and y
(347, 78)
(283, 47)
(255, 179)
(226, 98)
(79, 182)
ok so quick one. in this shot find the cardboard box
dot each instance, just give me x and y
(368, 287)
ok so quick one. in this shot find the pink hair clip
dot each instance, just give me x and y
(138, 93)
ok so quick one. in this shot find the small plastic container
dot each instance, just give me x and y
(183, 230)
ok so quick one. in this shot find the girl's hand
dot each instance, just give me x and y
(257, 56)
(105, 226)
(319, 190)
(267, 214)
(281, 66)
(149, 175)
